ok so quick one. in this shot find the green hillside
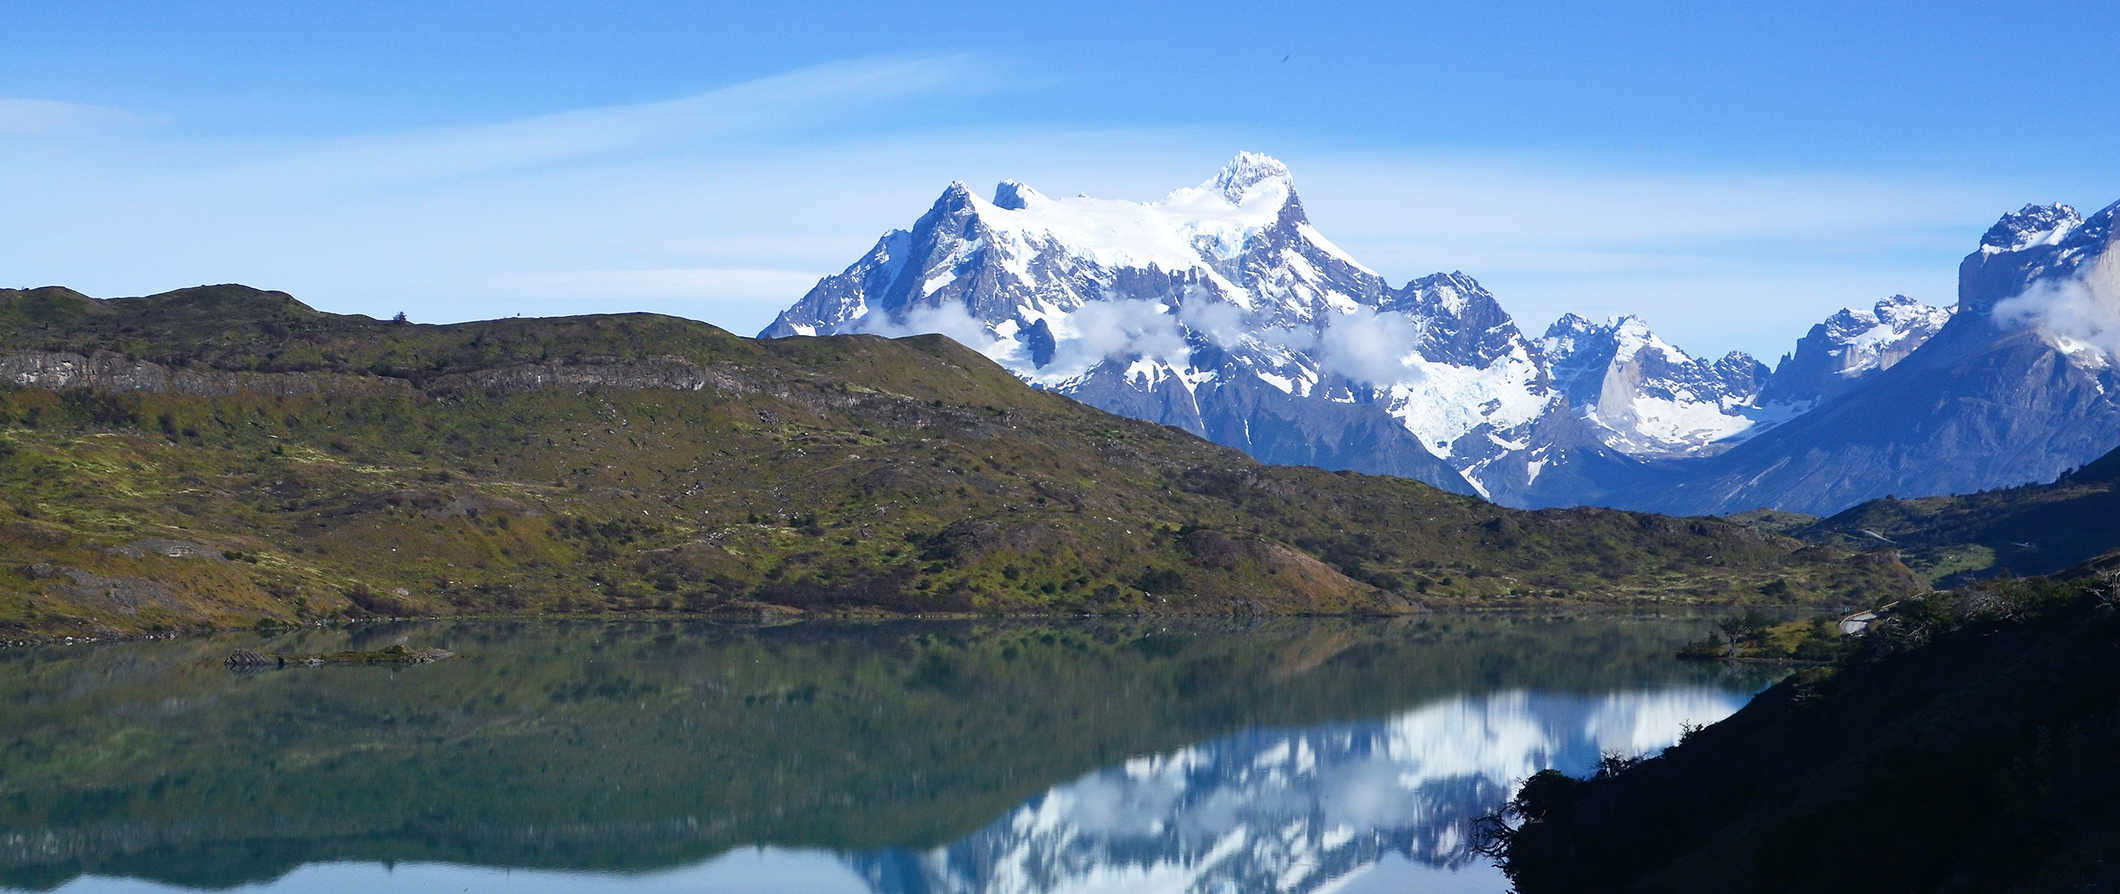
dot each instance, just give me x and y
(2035, 529)
(222, 455)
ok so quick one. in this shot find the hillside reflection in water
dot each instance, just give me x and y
(962, 756)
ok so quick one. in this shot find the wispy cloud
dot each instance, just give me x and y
(780, 103)
(583, 210)
(45, 117)
(729, 203)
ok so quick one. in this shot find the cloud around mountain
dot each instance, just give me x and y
(2076, 311)
(1221, 310)
(1370, 346)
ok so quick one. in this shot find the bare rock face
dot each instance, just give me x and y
(166, 548)
(122, 593)
(1644, 397)
(648, 373)
(109, 372)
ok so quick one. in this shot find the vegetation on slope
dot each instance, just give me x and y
(1967, 746)
(222, 455)
(1754, 636)
(1776, 520)
(2035, 529)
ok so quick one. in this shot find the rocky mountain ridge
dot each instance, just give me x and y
(2018, 386)
(1851, 345)
(1221, 310)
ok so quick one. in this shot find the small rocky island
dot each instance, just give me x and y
(397, 653)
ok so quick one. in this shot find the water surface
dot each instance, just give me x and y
(895, 757)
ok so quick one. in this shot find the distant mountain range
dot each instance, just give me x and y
(1221, 310)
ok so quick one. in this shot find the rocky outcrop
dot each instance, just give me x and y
(110, 372)
(642, 374)
(106, 372)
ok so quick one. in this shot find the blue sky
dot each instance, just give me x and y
(1730, 175)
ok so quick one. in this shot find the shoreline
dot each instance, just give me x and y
(787, 617)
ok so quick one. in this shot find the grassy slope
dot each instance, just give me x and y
(1775, 520)
(322, 465)
(2035, 529)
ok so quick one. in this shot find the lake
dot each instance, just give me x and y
(958, 756)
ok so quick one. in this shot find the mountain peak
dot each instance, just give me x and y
(1571, 324)
(1237, 179)
(2029, 226)
(1455, 279)
(1630, 323)
(1015, 195)
(956, 201)
(1851, 345)
(1902, 312)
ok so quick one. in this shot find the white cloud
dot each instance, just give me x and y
(949, 319)
(44, 117)
(1221, 322)
(1116, 330)
(1104, 330)
(1369, 346)
(2082, 310)
(765, 105)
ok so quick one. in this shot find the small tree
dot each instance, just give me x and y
(1748, 627)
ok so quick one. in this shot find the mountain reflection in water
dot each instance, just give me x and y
(971, 756)
(1297, 810)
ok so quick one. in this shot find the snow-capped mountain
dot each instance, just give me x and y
(1221, 310)
(2029, 227)
(1296, 810)
(1218, 309)
(1850, 346)
(1645, 397)
(2017, 385)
